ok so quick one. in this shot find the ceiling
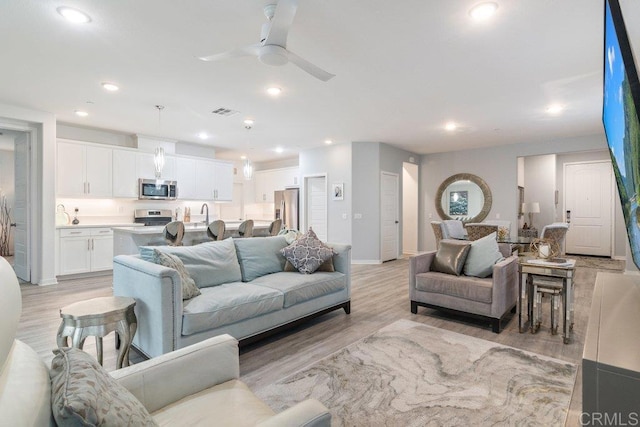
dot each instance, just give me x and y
(403, 69)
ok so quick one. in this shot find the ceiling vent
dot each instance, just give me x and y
(226, 112)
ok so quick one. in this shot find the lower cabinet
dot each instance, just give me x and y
(84, 250)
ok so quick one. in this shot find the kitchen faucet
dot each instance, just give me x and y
(204, 205)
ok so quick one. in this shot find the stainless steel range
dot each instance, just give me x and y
(151, 217)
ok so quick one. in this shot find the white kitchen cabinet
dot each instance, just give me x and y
(205, 179)
(146, 167)
(223, 182)
(186, 178)
(84, 250)
(83, 170)
(271, 180)
(125, 175)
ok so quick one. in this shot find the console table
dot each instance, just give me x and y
(528, 232)
(611, 357)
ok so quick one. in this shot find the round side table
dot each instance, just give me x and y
(98, 317)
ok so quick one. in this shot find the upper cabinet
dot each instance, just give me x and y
(83, 170)
(125, 176)
(223, 181)
(213, 181)
(186, 178)
(271, 180)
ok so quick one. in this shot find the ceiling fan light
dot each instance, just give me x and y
(273, 55)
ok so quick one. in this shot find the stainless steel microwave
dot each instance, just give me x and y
(153, 189)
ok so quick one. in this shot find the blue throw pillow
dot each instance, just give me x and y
(483, 255)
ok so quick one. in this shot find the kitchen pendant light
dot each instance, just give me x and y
(247, 170)
(158, 158)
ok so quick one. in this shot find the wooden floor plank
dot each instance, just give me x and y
(380, 296)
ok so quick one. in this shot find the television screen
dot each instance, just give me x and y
(621, 103)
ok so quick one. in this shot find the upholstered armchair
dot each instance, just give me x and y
(196, 385)
(437, 231)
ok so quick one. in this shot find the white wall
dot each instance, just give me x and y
(540, 186)
(495, 165)
(410, 191)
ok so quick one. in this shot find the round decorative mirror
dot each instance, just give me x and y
(463, 196)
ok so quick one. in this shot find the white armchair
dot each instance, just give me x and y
(196, 385)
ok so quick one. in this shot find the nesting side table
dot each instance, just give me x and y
(98, 317)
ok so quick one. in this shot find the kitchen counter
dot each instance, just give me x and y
(127, 240)
(101, 225)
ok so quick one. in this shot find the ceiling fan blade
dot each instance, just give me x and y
(307, 66)
(234, 53)
(281, 22)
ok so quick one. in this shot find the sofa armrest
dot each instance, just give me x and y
(308, 413)
(163, 380)
(505, 286)
(158, 294)
(342, 261)
(420, 263)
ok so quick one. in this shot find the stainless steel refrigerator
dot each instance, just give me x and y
(287, 208)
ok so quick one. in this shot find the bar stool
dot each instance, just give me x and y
(245, 229)
(216, 229)
(275, 227)
(174, 232)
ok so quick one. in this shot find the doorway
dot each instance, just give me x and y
(316, 205)
(588, 207)
(389, 218)
(410, 208)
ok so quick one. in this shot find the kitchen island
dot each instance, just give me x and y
(127, 240)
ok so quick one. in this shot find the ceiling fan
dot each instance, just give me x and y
(272, 49)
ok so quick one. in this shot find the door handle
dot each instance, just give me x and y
(568, 217)
(397, 222)
(13, 224)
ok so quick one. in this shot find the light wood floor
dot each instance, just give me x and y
(379, 297)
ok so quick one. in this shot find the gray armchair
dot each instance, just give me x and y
(488, 298)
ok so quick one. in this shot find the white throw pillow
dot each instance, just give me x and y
(483, 255)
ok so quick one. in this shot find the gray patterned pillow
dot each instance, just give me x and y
(189, 288)
(307, 253)
(84, 394)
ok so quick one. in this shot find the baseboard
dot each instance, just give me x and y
(366, 261)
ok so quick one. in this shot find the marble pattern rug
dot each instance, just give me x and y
(410, 374)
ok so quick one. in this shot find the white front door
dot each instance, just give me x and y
(316, 205)
(588, 202)
(20, 211)
(389, 216)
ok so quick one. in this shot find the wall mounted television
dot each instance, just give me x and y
(620, 107)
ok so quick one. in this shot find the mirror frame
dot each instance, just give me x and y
(488, 198)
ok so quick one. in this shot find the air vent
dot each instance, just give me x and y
(226, 112)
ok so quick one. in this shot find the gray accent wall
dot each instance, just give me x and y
(497, 166)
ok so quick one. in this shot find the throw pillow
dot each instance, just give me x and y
(483, 255)
(209, 263)
(326, 266)
(189, 288)
(84, 394)
(307, 253)
(260, 256)
(450, 257)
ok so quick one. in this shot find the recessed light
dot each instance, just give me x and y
(243, 157)
(328, 141)
(451, 126)
(110, 87)
(81, 113)
(555, 109)
(274, 91)
(203, 135)
(248, 122)
(73, 15)
(483, 11)
(279, 149)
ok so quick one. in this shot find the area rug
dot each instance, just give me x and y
(410, 374)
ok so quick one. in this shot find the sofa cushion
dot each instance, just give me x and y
(84, 394)
(298, 287)
(483, 255)
(228, 303)
(260, 256)
(307, 253)
(450, 257)
(189, 288)
(470, 288)
(209, 263)
(231, 403)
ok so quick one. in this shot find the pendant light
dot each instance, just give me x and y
(158, 157)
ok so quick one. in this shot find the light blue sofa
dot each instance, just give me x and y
(245, 292)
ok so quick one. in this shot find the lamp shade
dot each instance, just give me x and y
(534, 207)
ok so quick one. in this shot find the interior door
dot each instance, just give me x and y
(389, 216)
(21, 259)
(588, 198)
(316, 204)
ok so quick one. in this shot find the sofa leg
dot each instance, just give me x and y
(514, 309)
(495, 326)
(414, 307)
(347, 307)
